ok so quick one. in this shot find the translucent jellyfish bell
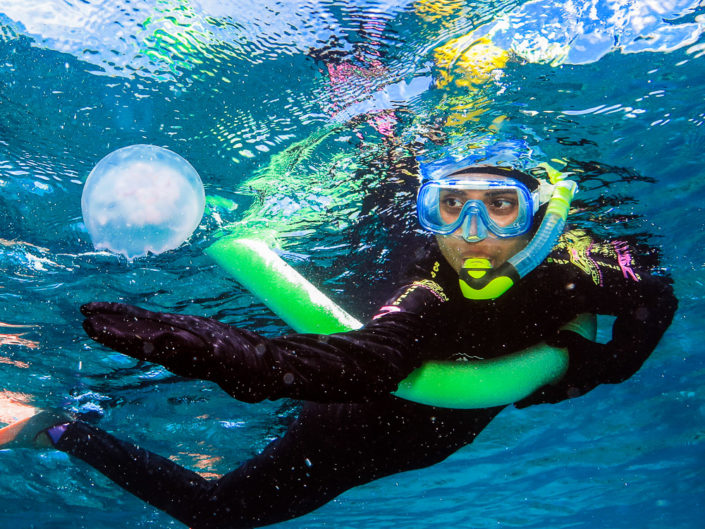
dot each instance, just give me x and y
(141, 199)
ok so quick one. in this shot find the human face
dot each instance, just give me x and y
(456, 249)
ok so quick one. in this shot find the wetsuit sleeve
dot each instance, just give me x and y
(643, 304)
(355, 365)
(349, 366)
(610, 282)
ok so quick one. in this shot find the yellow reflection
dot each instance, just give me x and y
(432, 10)
(469, 61)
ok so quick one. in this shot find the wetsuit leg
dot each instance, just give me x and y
(327, 450)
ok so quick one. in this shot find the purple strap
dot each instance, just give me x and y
(55, 432)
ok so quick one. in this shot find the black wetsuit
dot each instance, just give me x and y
(351, 430)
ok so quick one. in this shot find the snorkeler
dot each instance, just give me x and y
(351, 430)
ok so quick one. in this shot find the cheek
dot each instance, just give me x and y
(447, 218)
(446, 244)
(449, 247)
(513, 246)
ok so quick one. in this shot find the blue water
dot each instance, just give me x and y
(615, 90)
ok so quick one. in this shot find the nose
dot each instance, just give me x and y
(473, 228)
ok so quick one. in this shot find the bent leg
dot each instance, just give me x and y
(329, 449)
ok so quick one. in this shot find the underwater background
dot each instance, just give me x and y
(306, 120)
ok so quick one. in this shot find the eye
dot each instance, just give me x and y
(451, 202)
(502, 205)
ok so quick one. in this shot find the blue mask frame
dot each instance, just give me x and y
(475, 220)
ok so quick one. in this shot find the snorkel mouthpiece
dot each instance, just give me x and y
(478, 280)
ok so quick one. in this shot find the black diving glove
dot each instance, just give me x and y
(188, 346)
(588, 367)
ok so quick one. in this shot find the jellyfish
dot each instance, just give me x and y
(142, 199)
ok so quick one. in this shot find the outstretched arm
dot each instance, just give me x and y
(351, 366)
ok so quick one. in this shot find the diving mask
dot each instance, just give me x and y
(484, 205)
(478, 206)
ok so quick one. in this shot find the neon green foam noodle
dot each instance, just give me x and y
(476, 384)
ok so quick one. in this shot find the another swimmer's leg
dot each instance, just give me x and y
(272, 487)
(151, 477)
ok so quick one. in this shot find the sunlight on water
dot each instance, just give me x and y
(304, 121)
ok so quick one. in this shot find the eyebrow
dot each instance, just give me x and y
(498, 192)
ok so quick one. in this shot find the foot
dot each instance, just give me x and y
(31, 432)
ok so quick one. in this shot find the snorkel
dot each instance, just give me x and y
(479, 281)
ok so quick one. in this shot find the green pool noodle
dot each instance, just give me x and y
(286, 292)
(464, 385)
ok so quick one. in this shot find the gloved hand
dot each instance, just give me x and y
(189, 346)
(588, 367)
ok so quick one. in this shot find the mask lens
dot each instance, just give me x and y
(503, 206)
(500, 205)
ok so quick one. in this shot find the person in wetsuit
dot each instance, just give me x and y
(351, 430)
